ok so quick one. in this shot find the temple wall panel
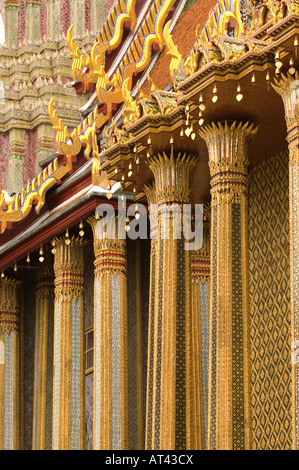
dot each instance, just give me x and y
(87, 15)
(28, 356)
(43, 18)
(145, 257)
(108, 5)
(269, 289)
(64, 16)
(4, 152)
(138, 275)
(22, 21)
(2, 11)
(29, 171)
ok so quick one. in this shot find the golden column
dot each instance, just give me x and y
(151, 196)
(287, 88)
(229, 375)
(110, 399)
(43, 364)
(171, 400)
(9, 366)
(68, 378)
(200, 266)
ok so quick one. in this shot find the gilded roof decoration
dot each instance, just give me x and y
(116, 90)
(87, 68)
(234, 29)
(66, 143)
(19, 205)
(110, 92)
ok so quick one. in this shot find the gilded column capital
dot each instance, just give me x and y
(228, 160)
(110, 254)
(9, 305)
(287, 88)
(45, 281)
(68, 266)
(173, 176)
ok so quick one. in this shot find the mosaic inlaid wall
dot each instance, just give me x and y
(4, 151)
(145, 281)
(88, 316)
(270, 304)
(138, 292)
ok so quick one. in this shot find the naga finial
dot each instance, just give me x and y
(66, 143)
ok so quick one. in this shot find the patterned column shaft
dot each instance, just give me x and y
(11, 23)
(287, 88)
(78, 17)
(53, 19)
(32, 32)
(68, 386)
(135, 353)
(110, 400)
(43, 366)
(152, 201)
(229, 407)
(16, 160)
(9, 366)
(171, 399)
(200, 265)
